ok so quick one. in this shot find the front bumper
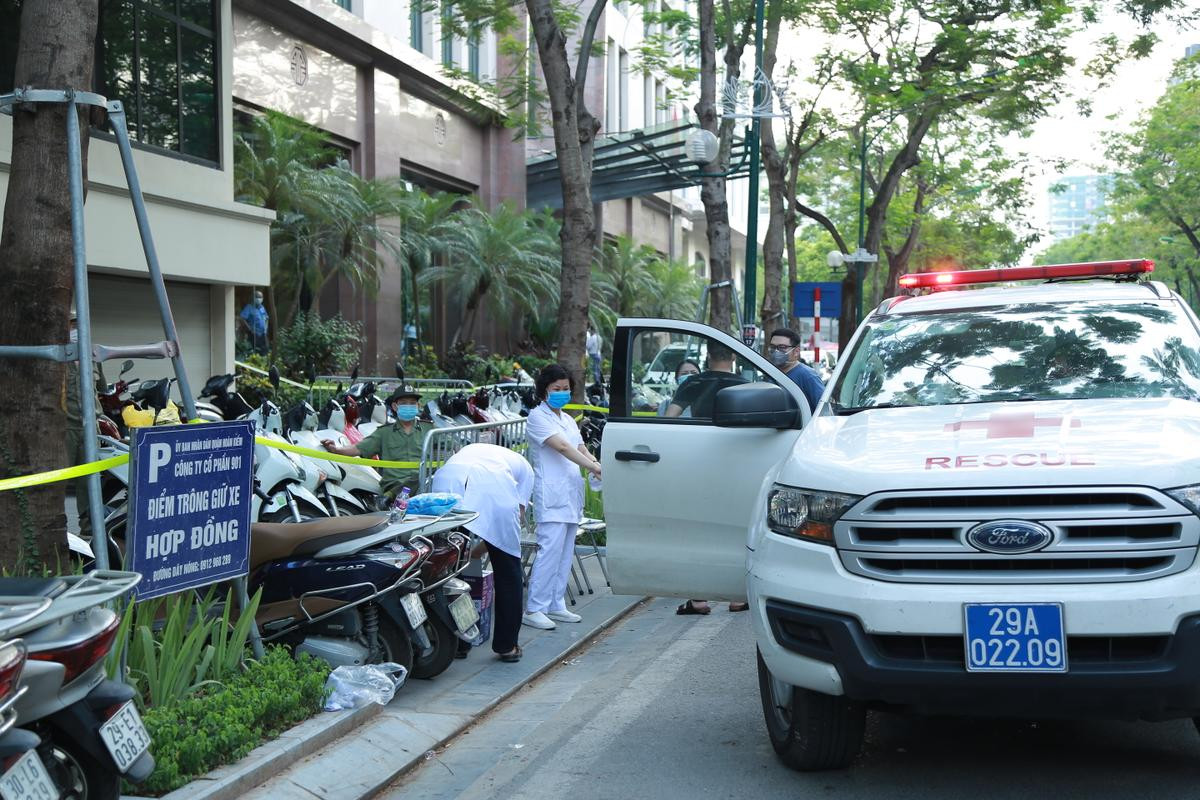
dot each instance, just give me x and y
(1149, 677)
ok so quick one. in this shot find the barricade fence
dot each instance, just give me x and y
(441, 443)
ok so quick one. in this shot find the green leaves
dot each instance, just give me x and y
(179, 644)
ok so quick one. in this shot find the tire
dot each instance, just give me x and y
(285, 515)
(445, 645)
(76, 773)
(346, 509)
(397, 646)
(810, 731)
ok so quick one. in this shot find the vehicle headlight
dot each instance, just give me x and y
(805, 514)
(1188, 496)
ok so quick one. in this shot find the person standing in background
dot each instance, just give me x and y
(254, 317)
(593, 350)
(783, 349)
(557, 452)
(496, 483)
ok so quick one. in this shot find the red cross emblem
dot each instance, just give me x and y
(1022, 425)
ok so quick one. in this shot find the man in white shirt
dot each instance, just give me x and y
(593, 350)
(496, 483)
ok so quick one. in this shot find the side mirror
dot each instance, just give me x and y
(273, 376)
(161, 396)
(400, 371)
(755, 405)
(126, 366)
(354, 374)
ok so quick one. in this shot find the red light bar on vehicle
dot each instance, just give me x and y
(965, 277)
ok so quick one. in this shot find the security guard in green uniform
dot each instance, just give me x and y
(399, 442)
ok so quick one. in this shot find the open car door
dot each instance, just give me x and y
(681, 493)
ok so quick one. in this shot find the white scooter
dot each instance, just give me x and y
(360, 481)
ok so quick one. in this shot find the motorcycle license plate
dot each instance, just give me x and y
(464, 613)
(27, 780)
(414, 609)
(125, 737)
(1027, 637)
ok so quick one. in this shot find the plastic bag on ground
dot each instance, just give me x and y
(434, 504)
(355, 687)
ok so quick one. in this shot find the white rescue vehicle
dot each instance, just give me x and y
(993, 510)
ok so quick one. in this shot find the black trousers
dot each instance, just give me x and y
(509, 602)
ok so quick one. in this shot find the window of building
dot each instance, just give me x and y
(447, 36)
(344, 4)
(416, 26)
(473, 54)
(623, 78)
(612, 90)
(159, 58)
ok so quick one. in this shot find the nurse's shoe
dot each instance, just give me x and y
(538, 620)
(564, 616)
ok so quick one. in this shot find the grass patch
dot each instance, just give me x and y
(218, 724)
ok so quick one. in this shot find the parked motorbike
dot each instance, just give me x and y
(218, 403)
(300, 428)
(91, 735)
(348, 589)
(450, 612)
(22, 772)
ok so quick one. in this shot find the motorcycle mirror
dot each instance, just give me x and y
(161, 395)
(400, 371)
(273, 376)
(126, 366)
(354, 374)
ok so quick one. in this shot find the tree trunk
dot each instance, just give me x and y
(574, 135)
(712, 189)
(56, 51)
(772, 312)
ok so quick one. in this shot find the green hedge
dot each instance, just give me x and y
(221, 724)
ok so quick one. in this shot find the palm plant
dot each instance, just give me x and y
(503, 260)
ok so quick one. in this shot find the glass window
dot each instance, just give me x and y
(1064, 351)
(416, 26)
(678, 376)
(344, 4)
(447, 36)
(159, 57)
(473, 54)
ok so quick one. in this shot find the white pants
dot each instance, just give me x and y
(551, 566)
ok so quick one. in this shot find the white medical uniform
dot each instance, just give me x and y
(494, 482)
(557, 507)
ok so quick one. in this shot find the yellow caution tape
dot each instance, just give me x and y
(584, 407)
(64, 474)
(327, 456)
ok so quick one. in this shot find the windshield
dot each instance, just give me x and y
(1064, 351)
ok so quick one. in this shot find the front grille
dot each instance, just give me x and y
(1081, 650)
(1099, 535)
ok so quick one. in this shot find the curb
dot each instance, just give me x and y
(311, 736)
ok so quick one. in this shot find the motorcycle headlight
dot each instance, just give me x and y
(805, 514)
(1188, 496)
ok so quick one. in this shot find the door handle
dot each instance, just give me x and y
(636, 455)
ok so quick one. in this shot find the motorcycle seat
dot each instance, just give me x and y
(32, 587)
(270, 541)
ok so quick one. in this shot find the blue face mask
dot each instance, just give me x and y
(406, 413)
(558, 399)
(682, 379)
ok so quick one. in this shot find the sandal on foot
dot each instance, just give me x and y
(739, 606)
(512, 657)
(690, 608)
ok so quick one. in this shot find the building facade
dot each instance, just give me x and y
(1077, 202)
(394, 93)
(170, 63)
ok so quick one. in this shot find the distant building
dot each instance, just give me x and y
(1192, 49)
(1077, 202)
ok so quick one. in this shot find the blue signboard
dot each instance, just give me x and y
(831, 299)
(189, 518)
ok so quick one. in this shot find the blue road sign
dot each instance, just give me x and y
(189, 519)
(831, 299)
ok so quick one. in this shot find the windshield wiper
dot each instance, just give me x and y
(845, 411)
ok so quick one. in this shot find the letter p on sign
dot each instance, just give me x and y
(160, 456)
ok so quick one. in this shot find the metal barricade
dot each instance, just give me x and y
(441, 443)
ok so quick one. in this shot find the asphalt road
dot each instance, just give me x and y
(667, 707)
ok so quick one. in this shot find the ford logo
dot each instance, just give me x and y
(1009, 536)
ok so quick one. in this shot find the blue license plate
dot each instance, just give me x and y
(1026, 637)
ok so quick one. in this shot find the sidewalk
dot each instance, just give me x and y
(353, 755)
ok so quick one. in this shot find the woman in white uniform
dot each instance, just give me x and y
(557, 452)
(496, 483)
